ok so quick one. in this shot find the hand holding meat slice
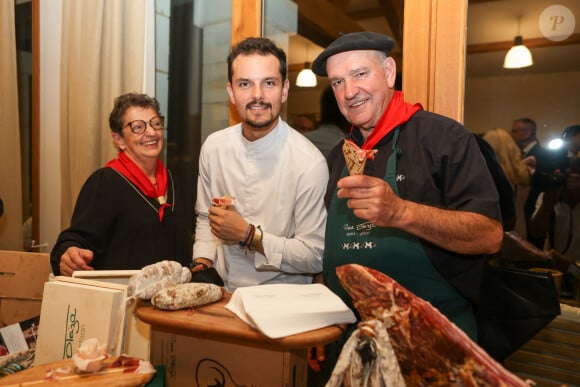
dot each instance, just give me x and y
(223, 201)
(356, 157)
(431, 350)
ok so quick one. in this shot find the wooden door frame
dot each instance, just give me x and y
(434, 53)
(35, 123)
(246, 22)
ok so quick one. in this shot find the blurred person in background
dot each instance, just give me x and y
(517, 170)
(523, 131)
(557, 214)
(302, 124)
(333, 126)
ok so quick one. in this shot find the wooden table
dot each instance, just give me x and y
(215, 322)
(212, 346)
(63, 373)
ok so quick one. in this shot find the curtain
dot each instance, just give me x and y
(102, 58)
(10, 162)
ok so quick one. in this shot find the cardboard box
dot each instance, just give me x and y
(190, 361)
(22, 278)
(75, 309)
(137, 337)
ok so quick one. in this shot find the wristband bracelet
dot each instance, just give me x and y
(249, 237)
(257, 240)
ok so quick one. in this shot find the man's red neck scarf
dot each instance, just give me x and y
(127, 167)
(398, 112)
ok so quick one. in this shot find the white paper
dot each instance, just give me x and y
(14, 338)
(280, 310)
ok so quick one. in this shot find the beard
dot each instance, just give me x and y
(259, 124)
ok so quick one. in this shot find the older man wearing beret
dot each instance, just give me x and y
(425, 209)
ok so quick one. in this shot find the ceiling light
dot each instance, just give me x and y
(518, 56)
(306, 78)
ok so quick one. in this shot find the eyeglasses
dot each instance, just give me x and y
(139, 126)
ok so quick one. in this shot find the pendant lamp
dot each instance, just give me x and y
(306, 77)
(518, 56)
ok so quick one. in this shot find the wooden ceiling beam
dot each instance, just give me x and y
(365, 13)
(529, 43)
(393, 11)
(321, 21)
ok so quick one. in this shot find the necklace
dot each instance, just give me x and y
(161, 199)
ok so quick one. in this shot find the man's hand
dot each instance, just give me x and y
(201, 264)
(227, 225)
(316, 356)
(371, 199)
(462, 232)
(75, 259)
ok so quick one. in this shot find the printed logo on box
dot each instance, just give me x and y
(73, 327)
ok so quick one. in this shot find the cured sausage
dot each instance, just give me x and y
(152, 278)
(187, 295)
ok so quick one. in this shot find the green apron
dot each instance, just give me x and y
(391, 251)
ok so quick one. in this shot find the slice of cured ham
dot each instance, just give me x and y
(355, 157)
(223, 201)
(431, 350)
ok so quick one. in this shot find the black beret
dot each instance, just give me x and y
(354, 41)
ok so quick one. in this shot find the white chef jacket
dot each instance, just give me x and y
(278, 183)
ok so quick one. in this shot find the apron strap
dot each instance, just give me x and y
(391, 172)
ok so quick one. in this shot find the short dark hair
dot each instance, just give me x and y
(570, 131)
(124, 102)
(529, 123)
(262, 46)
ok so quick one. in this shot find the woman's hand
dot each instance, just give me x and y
(75, 259)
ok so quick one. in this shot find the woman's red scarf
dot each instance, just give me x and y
(398, 112)
(127, 167)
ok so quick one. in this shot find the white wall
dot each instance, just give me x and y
(552, 100)
(50, 176)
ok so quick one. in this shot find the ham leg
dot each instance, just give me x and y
(431, 350)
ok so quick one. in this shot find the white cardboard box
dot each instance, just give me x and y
(76, 309)
(191, 361)
(137, 333)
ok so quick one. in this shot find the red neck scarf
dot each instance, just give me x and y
(398, 112)
(127, 167)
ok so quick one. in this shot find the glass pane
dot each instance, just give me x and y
(315, 32)
(193, 39)
(23, 15)
(545, 91)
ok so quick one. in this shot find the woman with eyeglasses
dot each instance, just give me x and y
(128, 214)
